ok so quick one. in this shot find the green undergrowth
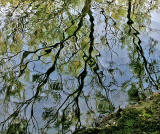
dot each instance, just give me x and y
(142, 118)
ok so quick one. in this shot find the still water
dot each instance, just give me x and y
(66, 64)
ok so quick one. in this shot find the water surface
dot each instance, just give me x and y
(65, 64)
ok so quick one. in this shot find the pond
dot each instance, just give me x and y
(64, 64)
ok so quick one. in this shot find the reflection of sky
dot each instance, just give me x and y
(155, 25)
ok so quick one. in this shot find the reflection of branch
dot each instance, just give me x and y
(48, 49)
(138, 45)
(106, 29)
(86, 101)
(83, 74)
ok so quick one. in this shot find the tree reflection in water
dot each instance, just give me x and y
(63, 64)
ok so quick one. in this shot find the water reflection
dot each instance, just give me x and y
(63, 64)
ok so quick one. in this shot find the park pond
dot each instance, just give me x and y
(64, 64)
